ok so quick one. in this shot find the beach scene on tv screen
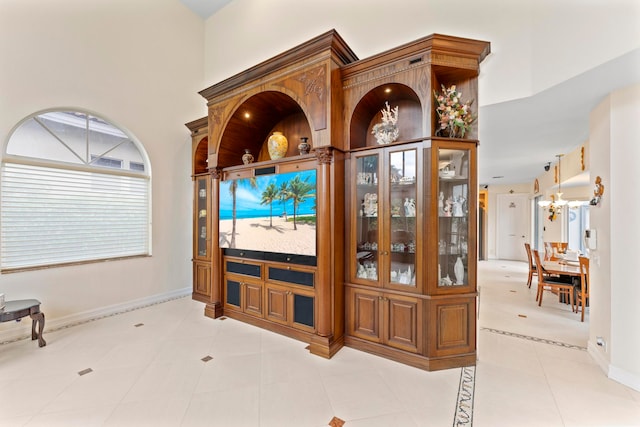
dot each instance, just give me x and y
(270, 213)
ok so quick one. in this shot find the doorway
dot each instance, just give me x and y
(512, 226)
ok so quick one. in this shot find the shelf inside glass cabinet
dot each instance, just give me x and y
(453, 217)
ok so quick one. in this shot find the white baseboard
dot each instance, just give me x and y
(625, 377)
(21, 330)
(622, 376)
(596, 354)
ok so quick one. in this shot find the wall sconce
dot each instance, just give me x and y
(598, 192)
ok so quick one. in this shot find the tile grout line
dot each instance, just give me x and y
(466, 394)
(536, 339)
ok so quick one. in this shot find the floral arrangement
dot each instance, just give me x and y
(454, 116)
(387, 131)
(553, 210)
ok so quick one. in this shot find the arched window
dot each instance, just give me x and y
(74, 188)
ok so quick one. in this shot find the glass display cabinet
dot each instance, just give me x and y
(201, 210)
(453, 217)
(385, 225)
(201, 238)
(202, 213)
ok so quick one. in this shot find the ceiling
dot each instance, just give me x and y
(205, 8)
(519, 137)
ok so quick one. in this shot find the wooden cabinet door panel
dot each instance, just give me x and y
(253, 299)
(202, 279)
(453, 326)
(404, 322)
(277, 305)
(366, 315)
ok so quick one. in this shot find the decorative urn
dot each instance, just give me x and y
(247, 157)
(277, 145)
(304, 147)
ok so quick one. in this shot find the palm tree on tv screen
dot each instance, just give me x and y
(233, 187)
(268, 196)
(283, 196)
(299, 191)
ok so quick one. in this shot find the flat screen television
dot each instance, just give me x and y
(274, 213)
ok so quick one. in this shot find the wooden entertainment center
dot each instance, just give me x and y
(393, 270)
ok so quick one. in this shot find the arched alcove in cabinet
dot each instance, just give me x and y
(250, 126)
(368, 113)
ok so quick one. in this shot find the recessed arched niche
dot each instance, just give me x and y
(200, 157)
(255, 120)
(368, 112)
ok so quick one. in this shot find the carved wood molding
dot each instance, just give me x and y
(313, 93)
(216, 172)
(314, 82)
(324, 155)
(215, 116)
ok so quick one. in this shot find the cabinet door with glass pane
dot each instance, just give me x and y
(385, 221)
(456, 213)
(402, 208)
(365, 224)
(202, 207)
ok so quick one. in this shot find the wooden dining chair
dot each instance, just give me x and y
(582, 293)
(532, 267)
(548, 282)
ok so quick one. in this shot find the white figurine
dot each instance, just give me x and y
(409, 207)
(457, 206)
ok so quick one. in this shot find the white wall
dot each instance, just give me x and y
(624, 205)
(572, 36)
(535, 44)
(139, 64)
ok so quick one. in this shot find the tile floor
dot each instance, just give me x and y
(168, 365)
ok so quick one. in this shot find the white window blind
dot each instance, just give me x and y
(54, 216)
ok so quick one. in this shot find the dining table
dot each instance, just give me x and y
(570, 269)
(563, 268)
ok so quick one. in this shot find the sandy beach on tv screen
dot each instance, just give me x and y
(256, 234)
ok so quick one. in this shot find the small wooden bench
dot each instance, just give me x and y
(16, 310)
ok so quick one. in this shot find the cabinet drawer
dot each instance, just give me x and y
(291, 275)
(245, 268)
(246, 173)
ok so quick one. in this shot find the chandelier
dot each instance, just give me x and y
(557, 203)
(560, 202)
